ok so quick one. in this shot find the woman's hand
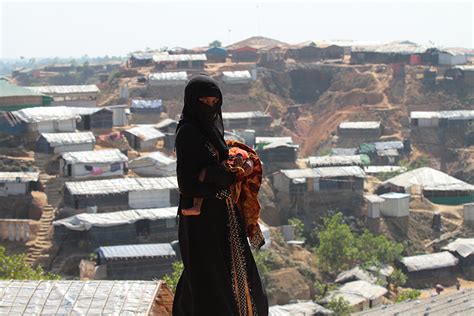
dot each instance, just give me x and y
(248, 167)
(191, 212)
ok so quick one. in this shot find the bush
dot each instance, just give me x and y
(339, 306)
(15, 267)
(173, 279)
(299, 227)
(408, 295)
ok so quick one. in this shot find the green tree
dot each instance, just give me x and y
(397, 278)
(336, 244)
(299, 227)
(172, 280)
(15, 267)
(215, 43)
(340, 249)
(339, 306)
(376, 250)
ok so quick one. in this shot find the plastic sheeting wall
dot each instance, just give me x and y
(53, 126)
(396, 207)
(161, 231)
(149, 199)
(73, 147)
(79, 170)
(13, 188)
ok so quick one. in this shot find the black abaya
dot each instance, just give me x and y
(207, 285)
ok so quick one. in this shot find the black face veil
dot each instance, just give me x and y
(207, 118)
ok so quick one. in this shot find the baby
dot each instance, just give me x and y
(238, 158)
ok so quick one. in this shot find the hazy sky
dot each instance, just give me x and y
(74, 28)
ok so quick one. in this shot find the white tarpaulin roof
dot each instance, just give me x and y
(8, 177)
(382, 169)
(48, 90)
(463, 246)
(169, 76)
(360, 125)
(86, 221)
(324, 172)
(358, 291)
(315, 161)
(300, 308)
(236, 76)
(243, 115)
(430, 261)
(114, 186)
(145, 132)
(165, 123)
(179, 57)
(429, 179)
(450, 115)
(87, 110)
(77, 297)
(147, 104)
(136, 251)
(155, 158)
(95, 156)
(45, 113)
(57, 139)
(274, 142)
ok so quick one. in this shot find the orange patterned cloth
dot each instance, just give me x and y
(245, 191)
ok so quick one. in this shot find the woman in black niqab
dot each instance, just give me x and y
(217, 279)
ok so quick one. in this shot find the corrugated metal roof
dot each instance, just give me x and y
(86, 221)
(44, 114)
(77, 297)
(147, 104)
(299, 308)
(179, 57)
(95, 156)
(454, 303)
(430, 261)
(169, 76)
(121, 185)
(145, 132)
(360, 125)
(48, 90)
(429, 179)
(243, 115)
(10, 90)
(463, 246)
(57, 139)
(8, 177)
(135, 251)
